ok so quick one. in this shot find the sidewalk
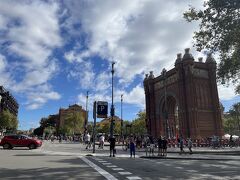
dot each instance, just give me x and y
(202, 153)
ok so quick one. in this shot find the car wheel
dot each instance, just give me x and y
(7, 146)
(32, 146)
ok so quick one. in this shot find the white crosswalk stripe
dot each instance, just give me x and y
(100, 170)
(124, 173)
(106, 163)
(118, 169)
(133, 177)
(112, 166)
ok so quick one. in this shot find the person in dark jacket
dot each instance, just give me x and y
(164, 146)
(132, 147)
(112, 142)
(160, 146)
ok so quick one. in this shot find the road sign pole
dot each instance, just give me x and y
(94, 125)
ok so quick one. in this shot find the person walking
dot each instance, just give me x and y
(181, 143)
(132, 147)
(101, 141)
(160, 146)
(88, 140)
(190, 145)
(112, 142)
(164, 146)
(151, 146)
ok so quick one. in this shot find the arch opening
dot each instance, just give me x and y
(170, 117)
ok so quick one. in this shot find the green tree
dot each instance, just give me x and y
(232, 120)
(43, 122)
(220, 32)
(74, 123)
(103, 127)
(8, 121)
(38, 131)
(139, 124)
(14, 122)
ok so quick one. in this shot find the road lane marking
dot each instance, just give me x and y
(133, 177)
(98, 159)
(98, 169)
(106, 163)
(112, 166)
(124, 173)
(118, 169)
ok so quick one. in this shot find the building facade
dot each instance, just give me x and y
(63, 113)
(8, 102)
(184, 100)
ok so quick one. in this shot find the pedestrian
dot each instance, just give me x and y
(181, 142)
(60, 139)
(132, 147)
(88, 141)
(101, 141)
(151, 146)
(231, 142)
(164, 146)
(112, 142)
(160, 146)
(52, 138)
(190, 145)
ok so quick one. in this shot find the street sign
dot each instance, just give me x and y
(102, 109)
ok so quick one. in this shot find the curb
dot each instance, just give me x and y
(189, 158)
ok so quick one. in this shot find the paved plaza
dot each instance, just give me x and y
(72, 161)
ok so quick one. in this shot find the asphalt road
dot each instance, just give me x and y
(68, 161)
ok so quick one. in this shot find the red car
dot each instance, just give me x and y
(11, 141)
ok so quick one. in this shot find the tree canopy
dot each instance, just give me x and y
(73, 123)
(8, 121)
(232, 120)
(220, 32)
(139, 124)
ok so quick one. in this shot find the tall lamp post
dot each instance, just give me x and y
(86, 118)
(112, 106)
(121, 117)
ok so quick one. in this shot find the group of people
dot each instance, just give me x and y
(181, 145)
(132, 142)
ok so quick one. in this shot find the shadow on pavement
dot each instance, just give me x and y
(50, 173)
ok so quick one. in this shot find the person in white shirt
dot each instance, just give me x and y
(87, 140)
(101, 141)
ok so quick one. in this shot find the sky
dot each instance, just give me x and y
(53, 51)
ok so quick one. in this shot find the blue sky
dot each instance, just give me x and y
(53, 52)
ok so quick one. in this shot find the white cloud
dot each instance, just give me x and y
(30, 31)
(37, 99)
(226, 92)
(2, 63)
(102, 81)
(139, 35)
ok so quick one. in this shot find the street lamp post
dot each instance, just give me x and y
(86, 118)
(112, 106)
(121, 117)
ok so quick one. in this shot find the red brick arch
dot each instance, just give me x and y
(190, 86)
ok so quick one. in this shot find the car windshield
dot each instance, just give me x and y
(25, 137)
